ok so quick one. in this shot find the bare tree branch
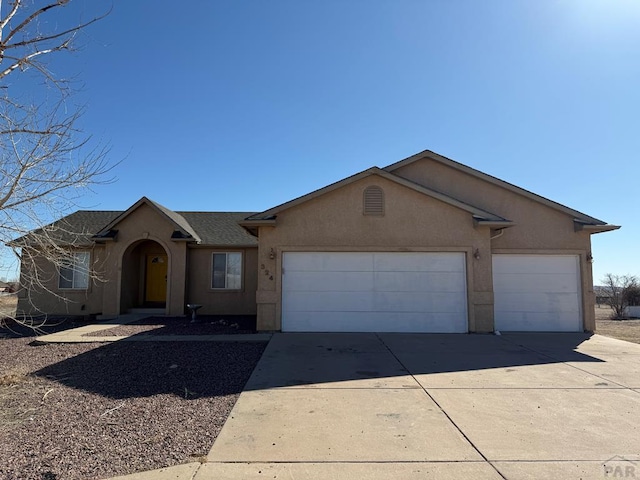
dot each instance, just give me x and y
(46, 161)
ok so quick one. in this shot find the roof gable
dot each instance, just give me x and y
(580, 217)
(183, 230)
(478, 214)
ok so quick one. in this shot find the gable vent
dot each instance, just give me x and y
(373, 199)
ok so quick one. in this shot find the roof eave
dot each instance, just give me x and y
(252, 226)
(580, 226)
(228, 246)
(484, 222)
(185, 240)
(258, 223)
(107, 236)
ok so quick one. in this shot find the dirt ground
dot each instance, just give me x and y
(628, 330)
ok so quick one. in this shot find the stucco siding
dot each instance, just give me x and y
(144, 224)
(412, 222)
(537, 226)
(48, 298)
(222, 302)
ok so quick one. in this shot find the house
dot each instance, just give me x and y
(424, 245)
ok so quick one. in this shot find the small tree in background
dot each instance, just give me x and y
(620, 290)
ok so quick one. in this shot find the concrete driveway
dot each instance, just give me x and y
(378, 406)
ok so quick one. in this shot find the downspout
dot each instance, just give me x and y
(498, 235)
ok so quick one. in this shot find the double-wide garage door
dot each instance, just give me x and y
(537, 293)
(374, 292)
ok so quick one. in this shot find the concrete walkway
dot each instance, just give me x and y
(342, 406)
(78, 335)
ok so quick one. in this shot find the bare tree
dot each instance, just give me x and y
(46, 162)
(618, 290)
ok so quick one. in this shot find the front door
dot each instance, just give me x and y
(156, 279)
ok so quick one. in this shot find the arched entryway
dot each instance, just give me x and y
(145, 269)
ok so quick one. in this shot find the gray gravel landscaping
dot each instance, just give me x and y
(90, 411)
(204, 325)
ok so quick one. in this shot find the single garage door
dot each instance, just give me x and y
(374, 292)
(537, 293)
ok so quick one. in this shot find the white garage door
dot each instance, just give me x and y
(537, 293)
(374, 292)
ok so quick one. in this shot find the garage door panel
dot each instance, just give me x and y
(373, 291)
(328, 301)
(418, 302)
(532, 264)
(377, 322)
(419, 262)
(536, 283)
(532, 302)
(537, 293)
(418, 281)
(295, 281)
(328, 262)
(537, 321)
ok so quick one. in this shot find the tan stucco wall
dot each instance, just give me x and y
(412, 222)
(218, 302)
(540, 229)
(121, 265)
(538, 226)
(145, 223)
(47, 298)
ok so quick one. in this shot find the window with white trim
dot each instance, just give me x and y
(74, 272)
(226, 272)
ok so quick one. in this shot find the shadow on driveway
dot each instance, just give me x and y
(196, 369)
(293, 359)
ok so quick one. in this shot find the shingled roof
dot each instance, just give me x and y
(220, 229)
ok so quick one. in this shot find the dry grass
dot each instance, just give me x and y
(628, 330)
(8, 305)
(11, 385)
(12, 379)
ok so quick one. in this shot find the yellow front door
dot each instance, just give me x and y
(156, 283)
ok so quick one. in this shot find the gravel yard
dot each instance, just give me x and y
(90, 411)
(204, 325)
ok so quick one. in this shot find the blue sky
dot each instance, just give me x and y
(242, 105)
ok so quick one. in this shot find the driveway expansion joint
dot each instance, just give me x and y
(441, 409)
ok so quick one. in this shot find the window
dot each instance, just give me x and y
(373, 201)
(74, 273)
(227, 271)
